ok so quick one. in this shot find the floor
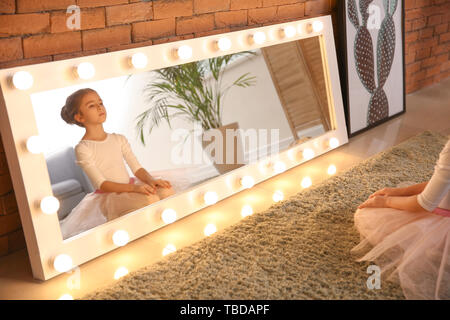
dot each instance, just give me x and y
(428, 109)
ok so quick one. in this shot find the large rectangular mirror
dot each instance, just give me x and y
(204, 128)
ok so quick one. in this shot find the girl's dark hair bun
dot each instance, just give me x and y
(72, 106)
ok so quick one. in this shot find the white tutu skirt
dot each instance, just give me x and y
(97, 208)
(410, 248)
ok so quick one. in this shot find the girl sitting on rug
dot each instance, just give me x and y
(100, 155)
(409, 229)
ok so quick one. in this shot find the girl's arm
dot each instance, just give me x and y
(408, 203)
(109, 186)
(143, 175)
(412, 190)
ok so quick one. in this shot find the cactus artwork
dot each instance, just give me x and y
(364, 55)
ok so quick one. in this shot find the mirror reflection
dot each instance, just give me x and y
(117, 145)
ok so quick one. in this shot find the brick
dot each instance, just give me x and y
(7, 6)
(71, 55)
(419, 24)
(434, 20)
(199, 23)
(271, 3)
(433, 71)
(89, 19)
(423, 53)
(291, 11)
(426, 33)
(39, 5)
(440, 49)
(3, 245)
(48, 44)
(11, 49)
(99, 3)
(5, 184)
(9, 203)
(173, 39)
(413, 68)
(142, 31)
(21, 24)
(411, 36)
(24, 62)
(262, 15)
(9, 223)
(140, 11)
(131, 46)
(317, 7)
(172, 8)
(444, 37)
(207, 6)
(428, 62)
(103, 38)
(442, 28)
(414, 14)
(230, 18)
(212, 32)
(16, 241)
(245, 4)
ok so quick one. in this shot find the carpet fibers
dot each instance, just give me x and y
(296, 249)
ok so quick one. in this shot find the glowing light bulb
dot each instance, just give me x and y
(62, 263)
(120, 238)
(85, 70)
(209, 229)
(306, 182)
(120, 272)
(139, 60)
(278, 196)
(247, 182)
(259, 37)
(334, 142)
(22, 80)
(49, 205)
(35, 144)
(279, 167)
(308, 153)
(210, 197)
(224, 44)
(65, 296)
(169, 215)
(331, 169)
(289, 31)
(317, 26)
(246, 210)
(184, 52)
(170, 248)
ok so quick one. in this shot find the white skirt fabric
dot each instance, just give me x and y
(412, 249)
(97, 208)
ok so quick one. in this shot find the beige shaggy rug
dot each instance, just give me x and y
(297, 249)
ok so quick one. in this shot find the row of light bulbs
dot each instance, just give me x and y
(23, 80)
(63, 262)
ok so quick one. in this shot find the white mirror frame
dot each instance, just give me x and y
(29, 171)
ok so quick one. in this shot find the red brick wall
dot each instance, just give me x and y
(34, 31)
(427, 39)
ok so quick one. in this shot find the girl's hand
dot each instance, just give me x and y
(375, 202)
(386, 192)
(145, 189)
(160, 183)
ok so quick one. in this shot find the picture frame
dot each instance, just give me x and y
(51, 255)
(368, 53)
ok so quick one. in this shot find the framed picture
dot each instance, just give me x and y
(371, 58)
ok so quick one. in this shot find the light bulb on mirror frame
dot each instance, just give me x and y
(288, 32)
(210, 197)
(308, 153)
(331, 169)
(85, 70)
(62, 263)
(246, 210)
(22, 80)
(278, 196)
(247, 182)
(139, 60)
(35, 144)
(49, 205)
(279, 167)
(184, 52)
(210, 229)
(306, 182)
(223, 44)
(120, 238)
(258, 37)
(169, 215)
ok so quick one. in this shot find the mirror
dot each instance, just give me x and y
(175, 121)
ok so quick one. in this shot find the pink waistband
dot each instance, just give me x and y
(132, 180)
(442, 212)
